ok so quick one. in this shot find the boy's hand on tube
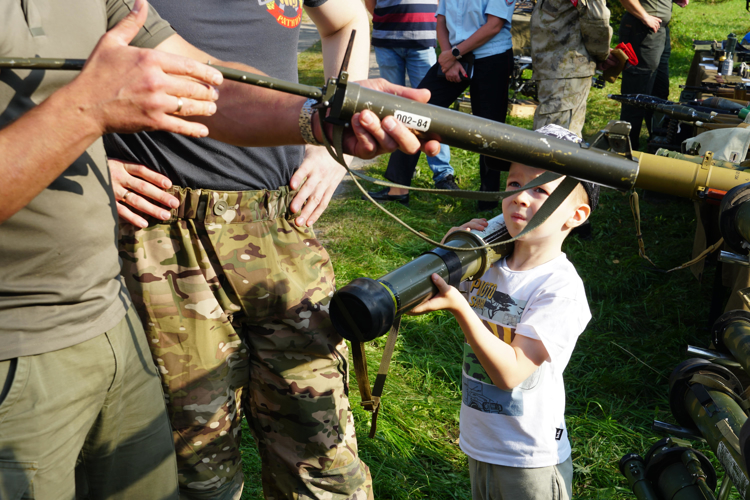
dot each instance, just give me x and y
(473, 224)
(448, 298)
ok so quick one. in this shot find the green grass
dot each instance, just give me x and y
(617, 378)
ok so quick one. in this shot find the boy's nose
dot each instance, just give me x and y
(521, 198)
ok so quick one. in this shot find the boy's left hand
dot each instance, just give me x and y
(447, 297)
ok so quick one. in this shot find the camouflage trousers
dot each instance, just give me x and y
(234, 301)
(562, 102)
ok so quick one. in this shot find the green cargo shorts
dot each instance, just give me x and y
(86, 421)
(234, 300)
(498, 482)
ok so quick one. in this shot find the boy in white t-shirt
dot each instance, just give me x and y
(521, 320)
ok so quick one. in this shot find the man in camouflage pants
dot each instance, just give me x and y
(233, 287)
(233, 291)
(568, 38)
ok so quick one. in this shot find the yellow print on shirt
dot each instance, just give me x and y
(486, 291)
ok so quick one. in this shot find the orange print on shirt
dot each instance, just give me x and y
(279, 11)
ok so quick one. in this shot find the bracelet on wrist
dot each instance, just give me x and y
(305, 123)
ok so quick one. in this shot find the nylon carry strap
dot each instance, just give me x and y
(636, 209)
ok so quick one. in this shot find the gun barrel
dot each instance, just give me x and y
(229, 73)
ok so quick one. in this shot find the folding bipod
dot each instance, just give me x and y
(706, 397)
(672, 470)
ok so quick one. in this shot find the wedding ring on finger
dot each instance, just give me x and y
(179, 104)
(125, 196)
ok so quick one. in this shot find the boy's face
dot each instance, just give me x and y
(519, 209)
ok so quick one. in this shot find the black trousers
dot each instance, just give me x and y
(489, 99)
(650, 76)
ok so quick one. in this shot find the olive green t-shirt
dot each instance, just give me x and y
(658, 8)
(59, 268)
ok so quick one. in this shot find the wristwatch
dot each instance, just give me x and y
(456, 53)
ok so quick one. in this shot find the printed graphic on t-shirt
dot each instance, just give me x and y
(500, 313)
(287, 13)
(488, 398)
(497, 307)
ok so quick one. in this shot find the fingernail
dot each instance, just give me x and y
(365, 117)
(142, 224)
(164, 215)
(174, 203)
(300, 221)
(137, 7)
(215, 93)
(166, 184)
(389, 123)
(211, 108)
(218, 78)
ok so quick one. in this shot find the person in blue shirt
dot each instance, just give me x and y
(477, 30)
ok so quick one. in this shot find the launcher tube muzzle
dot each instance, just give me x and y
(365, 308)
(634, 470)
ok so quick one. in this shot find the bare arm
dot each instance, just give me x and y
(506, 364)
(481, 36)
(449, 65)
(248, 115)
(335, 21)
(121, 89)
(370, 6)
(635, 8)
(319, 174)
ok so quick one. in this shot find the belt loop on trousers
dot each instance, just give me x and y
(200, 212)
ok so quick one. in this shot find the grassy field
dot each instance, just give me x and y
(617, 379)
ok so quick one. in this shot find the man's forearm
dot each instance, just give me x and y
(483, 35)
(635, 8)
(36, 149)
(442, 34)
(247, 115)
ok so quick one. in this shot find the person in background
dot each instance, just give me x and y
(478, 31)
(568, 39)
(645, 26)
(404, 39)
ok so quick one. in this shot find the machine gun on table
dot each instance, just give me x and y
(674, 122)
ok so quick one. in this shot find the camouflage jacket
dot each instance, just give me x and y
(567, 40)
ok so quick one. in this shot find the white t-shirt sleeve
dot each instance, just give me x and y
(557, 321)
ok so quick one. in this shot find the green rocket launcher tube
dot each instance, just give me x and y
(704, 396)
(634, 470)
(731, 335)
(672, 470)
(674, 176)
(492, 138)
(366, 308)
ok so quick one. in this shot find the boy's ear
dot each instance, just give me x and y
(579, 216)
